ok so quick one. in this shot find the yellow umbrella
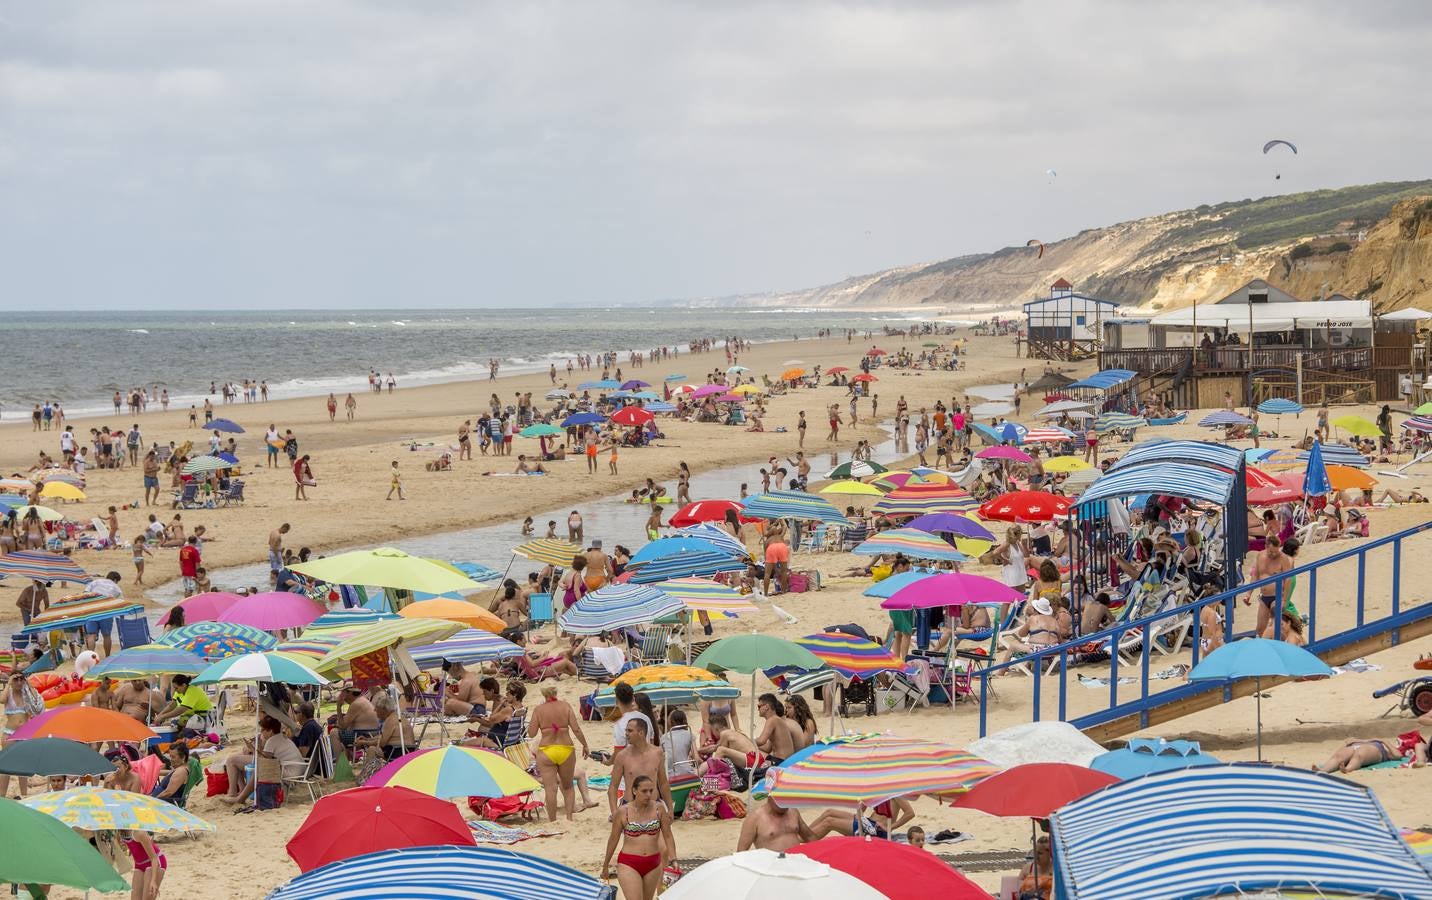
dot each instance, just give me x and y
(1066, 464)
(454, 611)
(45, 513)
(1357, 425)
(853, 488)
(659, 674)
(387, 633)
(551, 552)
(387, 568)
(746, 389)
(61, 491)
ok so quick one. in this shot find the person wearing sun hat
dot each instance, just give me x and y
(1040, 629)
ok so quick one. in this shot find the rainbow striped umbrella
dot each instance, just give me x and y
(891, 481)
(704, 595)
(218, 640)
(454, 771)
(911, 542)
(792, 505)
(923, 499)
(41, 566)
(877, 769)
(316, 643)
(618, 606)
(69, 612)
(851, 656)
(551, 552)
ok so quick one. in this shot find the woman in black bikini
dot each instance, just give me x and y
(643, 826)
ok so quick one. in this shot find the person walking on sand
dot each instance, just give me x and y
(464, 440)
(332, 407)
(395, 483)
(151, 478)
(801, 430)
(351, 405)
(302, 478)
(139, 547)
(834, 423)
(612, 459)
(589, 446)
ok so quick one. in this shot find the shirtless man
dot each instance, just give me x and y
(599, 567)
(732, 745)
(134, 699)
(174, 534)
(464, 693)
(1271, 561)
(360, 719)
(639, 757)
(771, 826)
(777, 739)
(275, 551)
(802, 468)
(33, 600)
(151, 478)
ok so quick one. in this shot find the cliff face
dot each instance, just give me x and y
(1370, 240)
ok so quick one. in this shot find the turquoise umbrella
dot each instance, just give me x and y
(541, 430)
(1258, 658)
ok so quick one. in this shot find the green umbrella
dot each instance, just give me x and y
(52, 756)
(1424, 409)
(387, 568)
(203, 465)
(750, 653)
(541, 430)
(40, 849)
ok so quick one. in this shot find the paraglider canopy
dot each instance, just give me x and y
(1273, 143)
(1039, 244)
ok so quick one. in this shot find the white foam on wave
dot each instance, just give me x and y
(139, 331)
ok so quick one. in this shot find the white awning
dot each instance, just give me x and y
(1271, 316)
(1410, 314)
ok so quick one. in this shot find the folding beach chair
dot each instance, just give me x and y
(133, 631)
(186, 497)
(235, 493)
(540, 610)
(312, 772)
(654, 645)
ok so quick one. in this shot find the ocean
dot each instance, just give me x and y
(81, 358)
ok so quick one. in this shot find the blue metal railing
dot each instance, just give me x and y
(1140, 634)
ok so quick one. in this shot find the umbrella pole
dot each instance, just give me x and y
(1258, 695)
(1034, 852)
(753, 709)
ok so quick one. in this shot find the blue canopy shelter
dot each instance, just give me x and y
(1231, 830)
(1105, 380)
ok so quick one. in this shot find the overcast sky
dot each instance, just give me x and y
(272, 153)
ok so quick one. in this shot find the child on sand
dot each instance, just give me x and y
(140, 548)
(612, 460)
(395, 483)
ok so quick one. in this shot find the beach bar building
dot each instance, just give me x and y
(1066, 325)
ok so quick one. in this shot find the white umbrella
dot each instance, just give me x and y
(761, 874)
(1037, 742)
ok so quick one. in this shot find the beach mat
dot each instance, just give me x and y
(493, 833)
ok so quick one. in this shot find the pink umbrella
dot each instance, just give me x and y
(272, 610)
(1004, 451)
(951, 589)
(203, 607)
(707, 390)
(730, 398)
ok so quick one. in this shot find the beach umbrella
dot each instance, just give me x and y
(631, 415)
(146, 660)
(101, 809)
(541, 429)
(762, 874)
(850, 656)
(856, 468)
(670, 685)
(1066, 464)
(1357, 426)
(707, 390)
(891, 868)
(752, 653)
(52, 756)
(370, 819)
(1333, 455)
(864, 377)
(731, 398)
(886, 587)
(633, 384)
(316, 643)
(1344, 478)
(1033, 790)
(16, 486)
(1117, 421)
(704, 595)
(203, 465)
(1026, 506)
(259, 667)
(1422, 424)
(476, 571)
(43, 513)
(1047, 435)
(272, 611)
(606, 384)
(1062, 406)
(618, 606)
(852, 489)
(1258, 658)
(386, 567)
(469, 614)
(923, 499)
(659, 406)
(1281, 491)
(550, 551)
(1278, 406)
(718, 537)
(746, 389)
(66, 476)
(386, 634)
(793, 374)
(1257, 478)
(875, 351)
(583, 418)
(40, 849)
(836, 370)
(86, 724)
(1145, 756)
(671, 378)
(793, 505)
(1002, 452)
(706, 511)
(911, 542)
(681, 557)
(349, 617)
(1315, 479)
(41, 565)
(455, 771)
(424, 873)
(894, 480)
(469, 646)
(61, 491)
(951, 589)
(218, 640)
(70, 612)
(205, 607)
(223, 425)
(732, 370)
(875, 770)
(558, 394)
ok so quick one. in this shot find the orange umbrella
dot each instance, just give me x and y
(86, 724)
(1343, 478)
(792, 374)
(446, 608)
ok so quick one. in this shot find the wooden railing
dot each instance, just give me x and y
(1148, 360)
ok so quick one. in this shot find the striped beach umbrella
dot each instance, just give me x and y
(911, 542)
(479, 873)
(386, 634)
(455, 771)
(923, 499)
(670, 685)
(1117, 421)
(856, 468)
(618, 606)
(203, 465)
(41, 565)
(1223, 418)
(551, 552)
(684, 565)
(64, 476)
(69, 612)
(887, 587)
(1335, 455)
(717, 536)
(1419, 423)
(316, 643)
(99, 809)
(471, 645)
(793, 505)
(349, 617)
(705, 595)
(670, 547)
(259, 667)
(16, 486)
(1278, 406)
(146, 660)
(851, 656)
(875, 770)
(1047, 434)
(218, 640)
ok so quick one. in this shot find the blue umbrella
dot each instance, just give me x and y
(224, 425)
(1278, 406)
(444, 871)
(1010, 433)
(1315, 480)
(1258, 658)
(686, 565)
(674, 378)
(659, 406)
(886, 587)
(1144, 756)
(468, 646)
(349, 617)
(792, 505)
(663, 548)
(1254, 454)
(717, 536)
(618, 606)
(229, 458)
(583, 418)
(605, 385)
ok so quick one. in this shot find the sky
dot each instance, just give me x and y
(449, 153)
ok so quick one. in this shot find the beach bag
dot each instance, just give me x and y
(799, 584)
(730, 806)
(700, 804)
(217, 783)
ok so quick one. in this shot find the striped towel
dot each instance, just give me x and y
(493, 833)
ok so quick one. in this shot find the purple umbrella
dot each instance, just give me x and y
(950, 523)
(1004, 452)
(951, 589)
(634, 385)
(707, 390)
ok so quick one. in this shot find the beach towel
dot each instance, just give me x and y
(493, 833)
(148, 771)
(1093, 681)
(1357, 665)
(610, 658)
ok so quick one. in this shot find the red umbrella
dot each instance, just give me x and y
(1288, 486)
(368, 819)
(1026, 506)
(874, 351)
(632, 415)
(1034, 790)
(836, 370)
(1257, 478)
(891, 868)
(707, 511)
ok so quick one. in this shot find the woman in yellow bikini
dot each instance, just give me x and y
(553, 722)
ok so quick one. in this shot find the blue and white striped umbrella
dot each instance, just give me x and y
(668, 547)
(468, 646)
(618, 606)
(1278, 406)
(686, 565)
(429, 873)
(1339, 455)
(340, 618)
(718, 536)
(1232, 830)
(792, 505)
(1176, 479)
(659, 406)
(1315, 479)
(1223, 417)
(885, 588)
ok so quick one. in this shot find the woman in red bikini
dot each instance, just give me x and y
(149, 865)
(643, 825)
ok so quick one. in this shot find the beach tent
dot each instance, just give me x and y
(1231, 830)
